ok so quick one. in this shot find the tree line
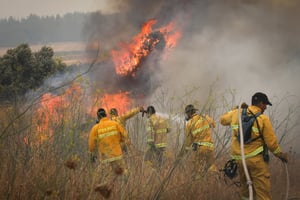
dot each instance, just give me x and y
(42, 29)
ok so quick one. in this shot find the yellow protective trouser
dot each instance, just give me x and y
(155, 156)
(203, 160)
(260, 176)
(110, 171)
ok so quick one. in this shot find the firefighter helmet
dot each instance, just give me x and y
(190, 109)
(260, 97)
(113, 111)
(101, 113)
(150, 110)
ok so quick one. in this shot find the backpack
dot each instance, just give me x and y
(247, 123)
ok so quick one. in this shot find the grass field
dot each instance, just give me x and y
(52, 162)
(44, 155)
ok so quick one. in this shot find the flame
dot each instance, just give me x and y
(128, 58)
(55, 109)
(50, 112)
(171, 36)
(121, 101)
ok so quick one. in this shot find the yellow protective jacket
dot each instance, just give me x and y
(255, 147)
(157, 129)
(107, 135)
(124, 117)
(198, 129)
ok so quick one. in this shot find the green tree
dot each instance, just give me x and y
(22, 70)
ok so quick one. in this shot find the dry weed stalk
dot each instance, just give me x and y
(48, 164)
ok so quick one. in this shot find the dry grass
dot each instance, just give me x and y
(59, 167)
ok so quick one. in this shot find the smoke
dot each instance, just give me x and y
(245, 46)
(251, 44)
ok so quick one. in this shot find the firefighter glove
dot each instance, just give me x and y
(142, 109)
(151, 145)
(283, 157)
(195, 146)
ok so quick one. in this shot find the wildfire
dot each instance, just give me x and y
(55, 109)
(51, 110)
(121, 101)
(128, 59)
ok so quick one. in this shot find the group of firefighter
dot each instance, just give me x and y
(108, 140)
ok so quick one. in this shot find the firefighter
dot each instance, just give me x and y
(256, 160)
(198, 141)
(106, 136)
(121, 119)
(157, 128)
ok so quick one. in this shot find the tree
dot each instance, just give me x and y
(22, 70)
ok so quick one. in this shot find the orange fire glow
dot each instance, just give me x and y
(129, 57)
(51, 110)
(121, 101)
(171, 37)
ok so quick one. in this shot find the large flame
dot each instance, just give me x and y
(128, 58)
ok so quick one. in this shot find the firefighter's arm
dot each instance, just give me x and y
(211, 122)
(92, 139)
(164, 124)
(92, 144)
(132, 113)
(226, 118)
(271, 140)
(188, 137)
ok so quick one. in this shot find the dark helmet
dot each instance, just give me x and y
(101, 113)
(113, 111)
(150, 110)
(260, 97)
(190, 109)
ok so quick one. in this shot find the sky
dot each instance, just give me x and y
(23, 8)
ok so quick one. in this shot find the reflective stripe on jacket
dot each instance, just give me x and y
(198, 130)
(107, 135)
(207, 144)
(255, 147)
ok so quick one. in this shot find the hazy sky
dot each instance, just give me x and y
(23, 8)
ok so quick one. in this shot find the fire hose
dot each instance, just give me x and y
(287, 181)
(249, 181)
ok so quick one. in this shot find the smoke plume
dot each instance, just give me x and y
(245, 46)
